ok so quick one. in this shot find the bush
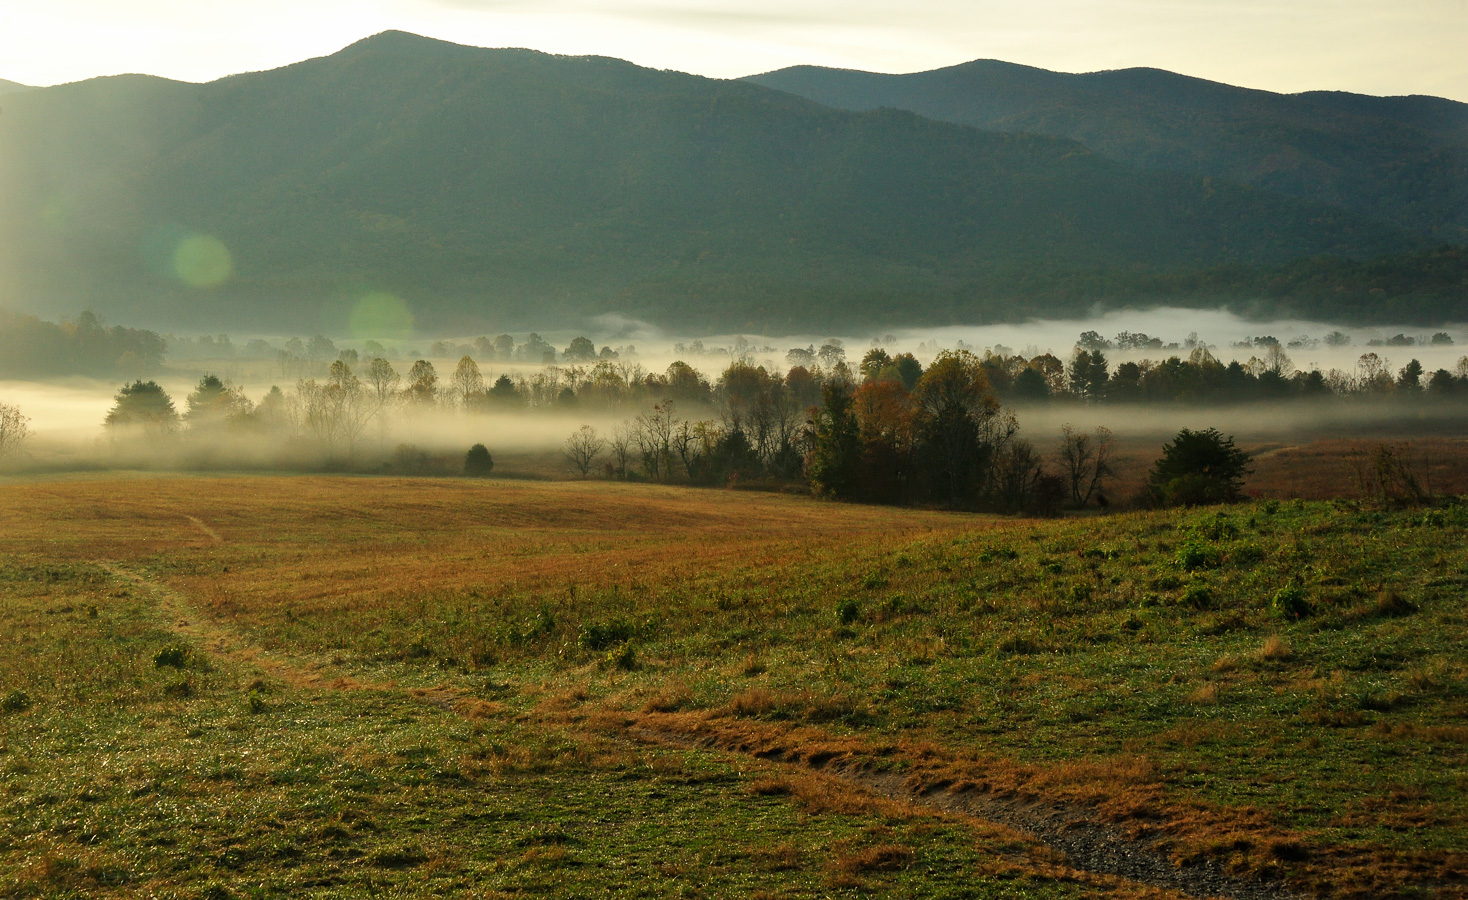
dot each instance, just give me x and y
(477, 462)
(847, 611)
(1198, 596)
(1198, 467)
(172, 656)
(1246, 553)
(602, 636)
(15, 702)
(1194, 555)
(1291, 602)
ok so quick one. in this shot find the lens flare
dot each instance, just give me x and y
(202, 261)
(381, 316)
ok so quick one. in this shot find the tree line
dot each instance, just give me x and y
(34, 348)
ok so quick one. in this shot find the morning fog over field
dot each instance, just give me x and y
(66, 414)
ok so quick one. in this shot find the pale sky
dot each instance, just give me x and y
(1367, 46)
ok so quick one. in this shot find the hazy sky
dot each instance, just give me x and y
(1369, 46)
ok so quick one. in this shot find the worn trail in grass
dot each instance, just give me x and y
(1276, 693)
(1086, 846)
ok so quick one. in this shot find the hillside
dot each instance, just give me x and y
(11, 87)
(496, 188)
(1398, 159)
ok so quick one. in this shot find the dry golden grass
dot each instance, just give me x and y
(322, 543)
(1274, 649)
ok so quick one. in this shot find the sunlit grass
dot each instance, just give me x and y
(1083, 660)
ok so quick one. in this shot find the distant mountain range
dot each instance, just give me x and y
(513, 189)
(11, 87)
(1402, 160)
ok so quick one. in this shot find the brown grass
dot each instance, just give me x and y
(1274, 649)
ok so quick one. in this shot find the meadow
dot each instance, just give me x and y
(263, 686)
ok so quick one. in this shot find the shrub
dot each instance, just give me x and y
(1245, 553)
(600, 636)
(1192, 556)
(172, 656)
(847, 611)
(477, 462)
(1198, 596)
(1290, 601)
(15, 702)
(1198, 467)
(1392, 604)
(623, 656)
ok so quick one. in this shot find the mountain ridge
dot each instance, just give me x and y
(513, 187)
(1402, 160)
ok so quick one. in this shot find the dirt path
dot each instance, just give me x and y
(1086, 845)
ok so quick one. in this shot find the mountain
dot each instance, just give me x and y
(510, 188)
(1402, 160)
(11, 87)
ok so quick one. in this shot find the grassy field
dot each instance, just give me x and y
(306, 686)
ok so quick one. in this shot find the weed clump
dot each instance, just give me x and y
(1391, 604)
(1274, 649)
(172, 656)
(15, 702)
(1291, 602)
(1246, 553)
(1194, 555)
(847, 612)
(418, 649)
(600, 636)
(623, 657)
(1198, 596)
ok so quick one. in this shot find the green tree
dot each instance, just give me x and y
(872, 364)
(956, 412)
(1088, 374)
(504, 394)
(477, 462)
(835, 457)
(143, 405)
(580, 350)
(1199, 467)
(214, 403)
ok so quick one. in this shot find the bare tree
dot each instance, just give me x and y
(685, 443)
(382, 387)
(337, 410)
(13, 429)
(1085, 461)
(582, 449)
(466, 384)
(654, 435)
(382, 380)
(621, 449)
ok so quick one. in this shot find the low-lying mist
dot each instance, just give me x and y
(66, 415)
